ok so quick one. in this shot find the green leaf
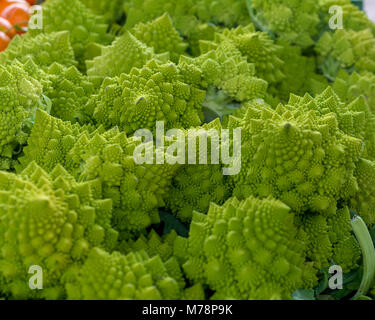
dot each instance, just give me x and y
(368, 253)
(172, 223)
(325, 297)
(303, 294)
(209, 115)
(372, 234)
(45, 104)
(323, 284)
(258, 24)
(218, 104)
(364, 298)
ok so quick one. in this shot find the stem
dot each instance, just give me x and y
(368, 253)
(256, 22)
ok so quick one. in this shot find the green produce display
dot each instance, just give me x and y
(189, 150)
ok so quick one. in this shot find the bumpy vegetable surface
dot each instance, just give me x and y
(132, 276)
(20, 96)
(112, 61)
(51, 221)
(69, 92)
(161, 35)
(111, 10)
(297, 156)
(156, 92)
(44, 49)
(83, 25)
(329, 239)
(293, 21)
(346, 49)
(88, 154)
(246, 250)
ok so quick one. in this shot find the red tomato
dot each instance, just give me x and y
(4, 41)
(6, 26)
(17, 14)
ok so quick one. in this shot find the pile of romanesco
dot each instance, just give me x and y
(93, 196)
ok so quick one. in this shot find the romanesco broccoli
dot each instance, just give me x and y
(51, 221)
(246, 250)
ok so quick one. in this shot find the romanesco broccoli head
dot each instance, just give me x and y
(90, 154)
(113, 62)
(352, 17)
(83, 25)
(225, 69)
(351, 86)
(194, 187)
(246, 250)
(296, 155)
(346, 49)
(156, 92)
(299, 74)
(111, 10)
(161, 35)
(51, 221)
(44, 49)
(328, 240)
(354, 119)
(69, 91)
(293, 21)
(134, 276)
(257, 47)
(363, 203)
(20, 96)
(187, 15)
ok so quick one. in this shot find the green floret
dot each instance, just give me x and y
(156, 246)
(300, 74)
(83, 25)
(246, 250)
(194, 19)
(328, 240)
(194, 187)
(229, 13)
(153, 244)
(144, 11)
(203, 31)
(115, 276)
(257, 47)
(136, 190)
(156, 92)
(297, 155)
(44, 49)
(195, 292)
(113, 62)
(347, 49)
(20, 97)
(350, 86)
(69, 91)
(161, 35)
(352, 17)
(188, 14)
(354, 119)
(111, 10)
(363, 203)
(225, 69)
(51, 221)
(293, 21)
